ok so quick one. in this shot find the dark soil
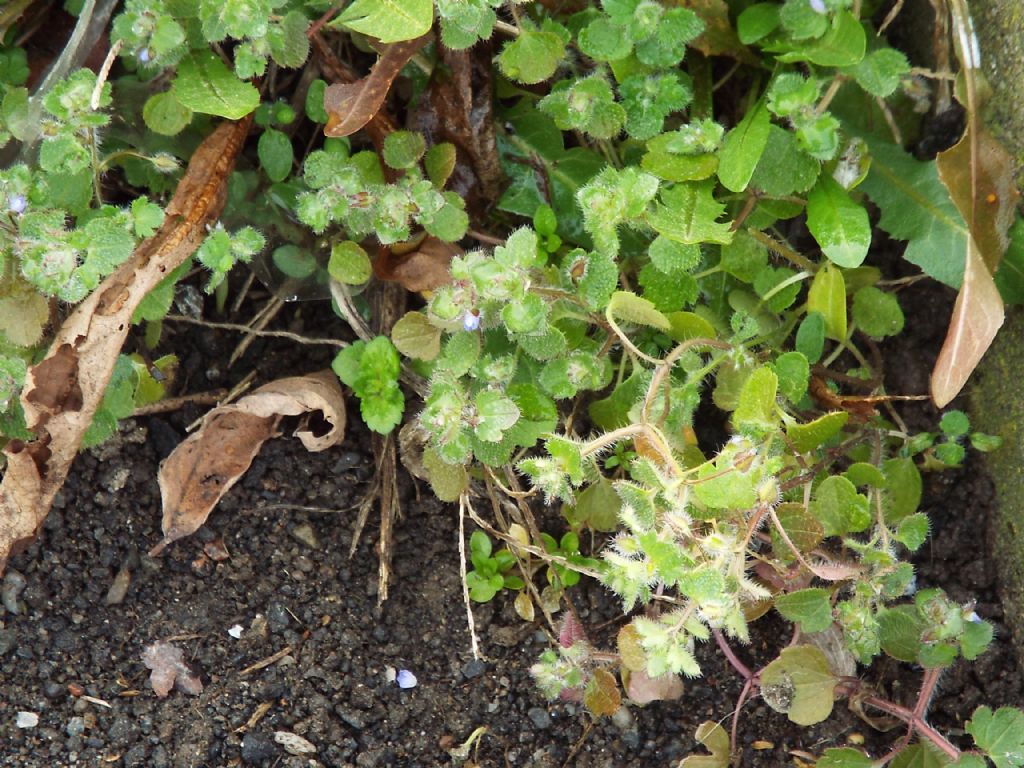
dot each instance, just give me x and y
(304, 596)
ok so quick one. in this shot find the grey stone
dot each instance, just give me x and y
(540, 717)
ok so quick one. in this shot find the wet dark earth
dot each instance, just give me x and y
(316, 658)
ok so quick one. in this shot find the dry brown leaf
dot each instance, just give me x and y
(457, 107)
(719, 37)
(63, 391)
(978, 172)
(977, 316)
(170, 670)
(350, 106)
(211, 460)
(643, 689)
(424, 269)
(987, 199)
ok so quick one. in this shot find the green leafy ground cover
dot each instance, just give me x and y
(684, 217)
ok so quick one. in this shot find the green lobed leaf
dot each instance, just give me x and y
(881, 71)
(877, 313)
(716, 740)
(844, 757)
(912, 531)
(204, 84)
(289, 44)
(840, 225)
(784, 168)
(920, 755)
(900, 631)
(403, 149)
(794, 373)
(812, 608)
(602, 696)
(804, 530)
(721, 486)
(839, 507)
(439, 162)
(349, 264)
(534, 55)
(903, 488)
(496, 413)
(756, 410)
(447, 481)
(842, 45)
(688, 213)
(810, 339)
(800, 684)
(757, 21)
(801, 21)
(164, 114)
(390, 21)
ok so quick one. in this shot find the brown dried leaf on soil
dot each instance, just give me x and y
(211, 460)
(982, 188)
(643, 689)
(170, 670)
(424, 268)
(63, 390)
(350, 106)
(977, 316)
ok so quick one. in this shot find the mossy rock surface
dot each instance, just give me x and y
(997, 408)
(998, 25)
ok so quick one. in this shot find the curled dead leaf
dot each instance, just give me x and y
(350, 106)
(977, 316)
(210, 461)
(423, 269)
(63, 391)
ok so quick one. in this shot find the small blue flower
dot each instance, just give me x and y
(405, 679)
(818, 6)
(17, 203)
(145, 56)
(974, 618)
(471, 320)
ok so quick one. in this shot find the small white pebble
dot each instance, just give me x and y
(236, 631)
(294, 744)
(27, 720)
(405, 679)
(390, 674)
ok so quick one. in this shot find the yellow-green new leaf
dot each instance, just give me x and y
(634, 309)
(827, 296)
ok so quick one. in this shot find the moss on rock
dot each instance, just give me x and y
(997, 408)
(998, 25)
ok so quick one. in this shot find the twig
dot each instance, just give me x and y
(249, 330)
(260, 322)
(266, 662)
(474, 644)
(175, 403)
